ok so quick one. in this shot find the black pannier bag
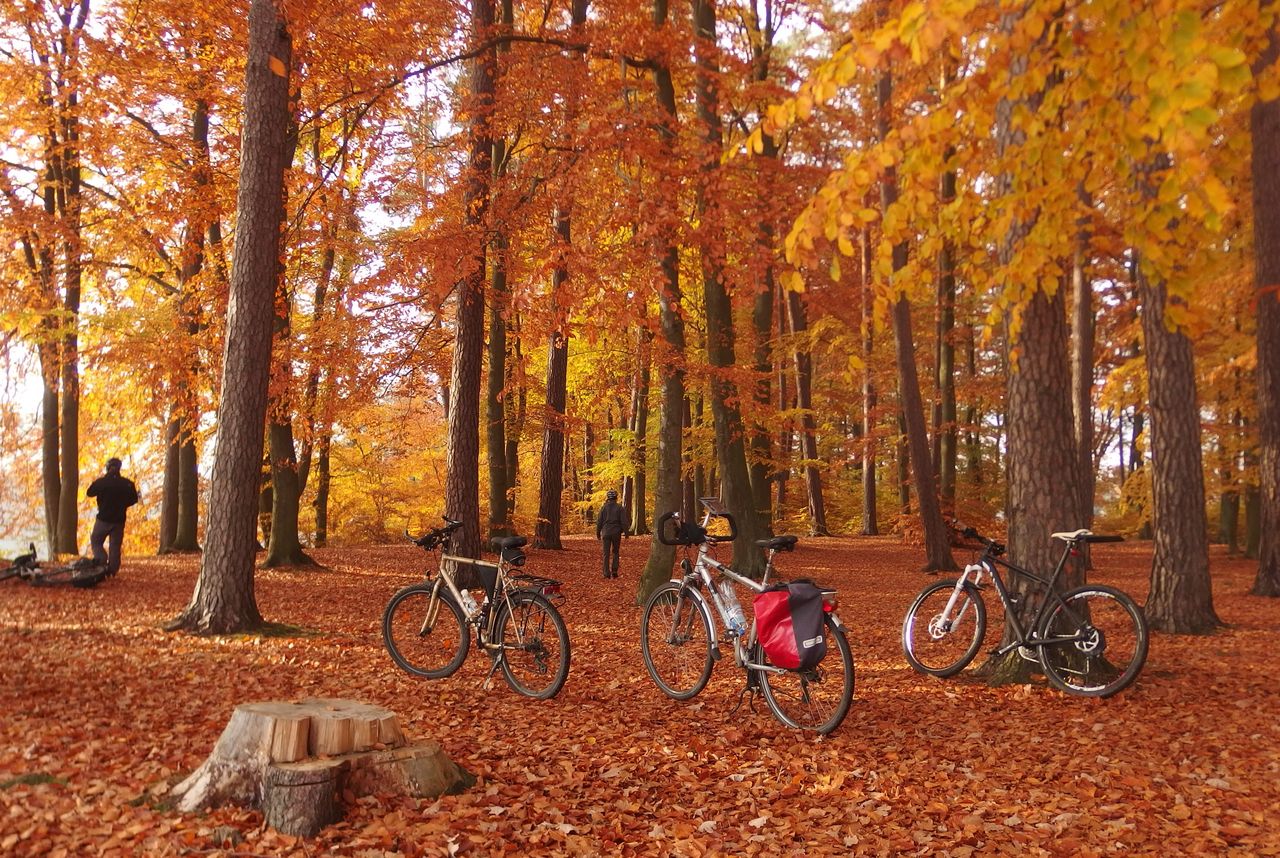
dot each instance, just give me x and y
(789, 624)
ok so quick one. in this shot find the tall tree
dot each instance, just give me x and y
(223, 600)
(462, 449)
(1181, 599)
(501, 491)
(670, 347)
(1264, 125)
(937, 542)
(803, 362)
(730, 444)
(551, 485)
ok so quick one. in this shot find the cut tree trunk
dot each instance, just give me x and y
(293, 760)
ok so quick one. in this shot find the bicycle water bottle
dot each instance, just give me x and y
(469, 605)
(732, 608)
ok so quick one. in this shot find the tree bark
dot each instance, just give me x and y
(551, 484)
(731, 455)
(169, 492)
(1083, 327)
(1180, 600)
(803, 362)
(1264, 123)
(937, 542)
(870, 525)
(462, 450)
(670, 349)
(223, 601)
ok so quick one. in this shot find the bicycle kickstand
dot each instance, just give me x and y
(487, 682)
(751, 690)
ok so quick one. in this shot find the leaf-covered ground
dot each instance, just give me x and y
(100, 709)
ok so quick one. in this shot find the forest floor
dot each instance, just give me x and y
(100, 709)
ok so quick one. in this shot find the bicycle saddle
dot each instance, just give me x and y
(779, 543)
(502, 543)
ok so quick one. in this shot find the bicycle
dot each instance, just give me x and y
(427, 627)
(1090, 641)
(83, 573)
(680, 646)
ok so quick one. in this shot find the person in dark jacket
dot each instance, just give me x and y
(115, 494)
(609, 527)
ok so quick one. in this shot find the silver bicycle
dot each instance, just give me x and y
(427, 627)
(679, 642)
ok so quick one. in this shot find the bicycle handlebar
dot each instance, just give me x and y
(683, 533)
(433, 538)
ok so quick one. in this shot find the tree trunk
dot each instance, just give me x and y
(496, 415)
(944, 424)
(169, 491)
(1181, 600)
(321, 501)
(1229, 522)
(1083, 325)
(639, 432)
(870, 526)
(670, 350)
(1265, 128)
(1043, 493)
(937, 542)
(223, 601)
(497, 408)
(551, 484)
(731, 455)
(808, 426)
(462, 450)
(284, 547)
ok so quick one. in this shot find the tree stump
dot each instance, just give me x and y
(293, 760)
(301, 798)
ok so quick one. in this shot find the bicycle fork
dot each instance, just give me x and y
(949, 617)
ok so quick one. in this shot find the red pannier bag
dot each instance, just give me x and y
(789, 624)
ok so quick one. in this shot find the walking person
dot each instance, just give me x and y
(609, 527)
(115, 494)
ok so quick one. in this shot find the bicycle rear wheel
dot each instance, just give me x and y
(534, 644)
(938, 645)
(425, 633)
(816, 699)
(1106, 642)
(675, 641)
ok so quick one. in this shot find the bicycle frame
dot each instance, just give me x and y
(989, 564)
(699, 576)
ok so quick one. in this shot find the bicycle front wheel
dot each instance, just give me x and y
(816, 699)
(533, 644)
(1096, 641)
(675, 641)
(939, 642)
(425, 632)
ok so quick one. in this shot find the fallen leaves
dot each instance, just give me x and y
(103, 710)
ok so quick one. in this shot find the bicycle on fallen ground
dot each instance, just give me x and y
(427, 627)
(1090, 640)
(680, 644)
(83, 573)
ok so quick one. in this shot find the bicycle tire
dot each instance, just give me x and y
(941, 650)
(11, 572)
(1112, 647)
(807, 699)
(425, 634)
(533, 644)
(675, 641)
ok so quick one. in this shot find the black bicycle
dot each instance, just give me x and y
(427, 627)
(1090, 641)
(83, 573)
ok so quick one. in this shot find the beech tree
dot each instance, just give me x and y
(1264, 126)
